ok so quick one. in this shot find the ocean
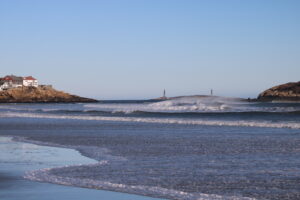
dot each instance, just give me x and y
(183, 148)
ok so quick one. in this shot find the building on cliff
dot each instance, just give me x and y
(12, 81)
(30, 81)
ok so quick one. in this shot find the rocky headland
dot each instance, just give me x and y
(285, 92)
(40, 94)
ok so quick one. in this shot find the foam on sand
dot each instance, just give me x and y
(46, 175)
(19, 156)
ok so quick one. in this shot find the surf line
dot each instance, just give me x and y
(266, 124)
(46, 175)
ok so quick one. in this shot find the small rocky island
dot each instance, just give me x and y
(14, 89)
(285, 92)
(40, 94)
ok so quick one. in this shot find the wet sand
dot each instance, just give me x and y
(17, 157)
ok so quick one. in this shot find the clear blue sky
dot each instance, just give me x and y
(134, 49)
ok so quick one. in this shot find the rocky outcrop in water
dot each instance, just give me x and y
(288, 91)
(41, 94)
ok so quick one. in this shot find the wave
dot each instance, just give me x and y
(56, 175)
(195, 104)
(45, 175)
(192, 104)
(245, 123)
(95, 112)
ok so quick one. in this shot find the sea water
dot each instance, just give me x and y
(183, 148)
(19, 159)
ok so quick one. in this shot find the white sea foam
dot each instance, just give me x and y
(247, 123)
(45, 175)
(184, 104)
(191, 104)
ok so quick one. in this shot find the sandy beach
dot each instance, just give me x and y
(17, 158)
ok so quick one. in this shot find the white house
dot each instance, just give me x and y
(4, 86)
(15, 81)
(30, 81)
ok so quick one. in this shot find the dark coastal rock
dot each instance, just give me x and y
(288, 91)
(41, 94)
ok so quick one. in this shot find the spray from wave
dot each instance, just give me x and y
(194, 104)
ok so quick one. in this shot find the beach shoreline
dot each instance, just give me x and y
(36, 154)
(45, 176)
(202, 157)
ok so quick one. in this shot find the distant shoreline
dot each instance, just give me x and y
(289, 92)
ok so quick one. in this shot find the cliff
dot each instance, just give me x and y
(41, 94)
(288, 91)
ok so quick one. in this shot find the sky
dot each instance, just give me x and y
(134, 49)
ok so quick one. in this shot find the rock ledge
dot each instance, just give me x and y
(40, 94)
(289, 91)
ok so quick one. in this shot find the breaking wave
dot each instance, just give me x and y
(189, 104)
(247, 123)
(195, 110)
(195, 104)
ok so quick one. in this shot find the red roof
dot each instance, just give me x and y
(7, 78)
(29, 78)
(17, 78)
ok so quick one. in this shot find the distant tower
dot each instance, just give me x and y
(211, 92)
(164, 95)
